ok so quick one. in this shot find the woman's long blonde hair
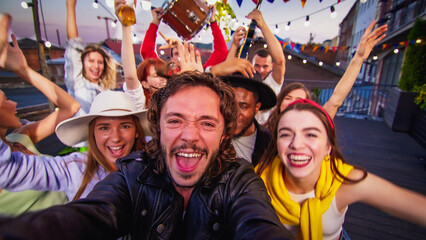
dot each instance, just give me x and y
(108, 76)
(95, 158)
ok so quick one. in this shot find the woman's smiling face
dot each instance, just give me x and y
(302, 144)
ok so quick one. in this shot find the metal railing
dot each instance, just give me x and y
(363, 101)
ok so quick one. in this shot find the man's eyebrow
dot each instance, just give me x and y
(180, 115)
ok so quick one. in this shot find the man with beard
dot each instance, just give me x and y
(187, 185)
(252, 95)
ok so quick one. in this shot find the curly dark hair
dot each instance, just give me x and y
(228, 109)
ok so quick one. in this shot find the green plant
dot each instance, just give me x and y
(421, 98)
(413, 72)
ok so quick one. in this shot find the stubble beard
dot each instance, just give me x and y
(187, 175)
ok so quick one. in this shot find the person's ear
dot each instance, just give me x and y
(145, 84)
(258, 105)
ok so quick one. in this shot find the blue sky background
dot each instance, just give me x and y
(93, 30)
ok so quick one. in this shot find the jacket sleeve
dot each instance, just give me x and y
(220, 50)
(148, 44)
(249, 212)
(106, 213)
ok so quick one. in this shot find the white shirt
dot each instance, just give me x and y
(244, 146)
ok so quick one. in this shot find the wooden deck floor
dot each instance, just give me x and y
(394, 156)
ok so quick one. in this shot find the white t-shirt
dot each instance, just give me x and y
(262, 116)
(332, 219)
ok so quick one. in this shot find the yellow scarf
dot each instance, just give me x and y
(308, 216)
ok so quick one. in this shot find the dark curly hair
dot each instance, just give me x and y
(228, 109)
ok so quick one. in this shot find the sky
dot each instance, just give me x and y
(91, 29)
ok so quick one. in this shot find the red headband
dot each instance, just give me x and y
(307, 101)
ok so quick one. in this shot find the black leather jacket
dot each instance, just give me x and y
(144, 205)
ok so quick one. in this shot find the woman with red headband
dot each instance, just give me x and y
(311, 185)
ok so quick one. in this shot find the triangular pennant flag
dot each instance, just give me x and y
(384, 46)
(255, 1)
(303, 47)
(239, 2)
(286, 0)
(406, 43)
(401, 43)
(271, 1)
(281, 42)
(394, 45)
(285, 44)
(343, 48)
(320, 1)
(298, 46)
(315, 48)
(338, 1)
(334, 49)
(303, 3)
(322, 49)
(326, 48)
(412, 42)
(292, 45)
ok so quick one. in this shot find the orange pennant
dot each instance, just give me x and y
(315, 48)
(285, 44)
(343, 48)
(303, 47)
(326, 48)
(303, 3)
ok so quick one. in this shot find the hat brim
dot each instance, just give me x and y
(76, 130)
(267, 96)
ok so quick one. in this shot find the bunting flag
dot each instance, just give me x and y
(285, 44)
(321, 48)
(334, 49)
(255, 1)
(286, 0)
(343, 48)
(326, 48)
(239, 2)
(303, 3)
(384, 46)
(271, 1)
(292, 45)
(303, 47)
(315, 48)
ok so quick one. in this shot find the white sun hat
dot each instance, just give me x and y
(105, 104)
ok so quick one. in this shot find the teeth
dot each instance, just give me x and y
(189, 155)
(115, 148)
(299, 158)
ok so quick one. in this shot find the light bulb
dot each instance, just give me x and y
(396, 51)
(375, 57)
(307, 23)
(304, 61)
(24, 5)
(363, 1)
(287, 27)
(337, 63)
(277, 30)
(47, 44)
(95, 4)
(320, 63)
(289, 57)
(333, 12)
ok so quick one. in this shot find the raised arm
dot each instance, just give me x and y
(232, 63)
(67, 105)
(127, 54)
(278, 69)
(386, 196)
(72, 31)
(220, 50)
(148, 44)
(343, 87)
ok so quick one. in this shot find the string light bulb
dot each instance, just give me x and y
(304, 61)
(114, 23)
(333, 12)
(320, 63)
(265, 45)
(95, 4)
(287, 27)
(337, 63)
(375, 58)
(48, 44)
(289, 57)
(396, 51)
(307, 23)
(363, 1)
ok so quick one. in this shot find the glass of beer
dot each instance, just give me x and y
(126, 13)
